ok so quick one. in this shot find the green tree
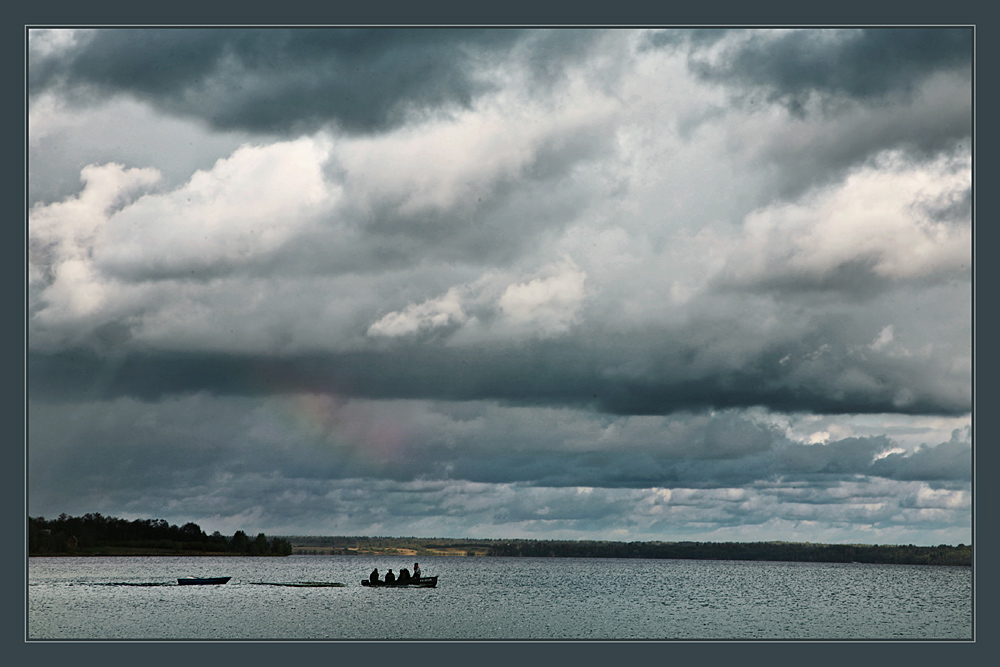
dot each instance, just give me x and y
(260, 547)
(240, 542)
(192, 532)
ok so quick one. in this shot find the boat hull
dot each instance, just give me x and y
(202, 581)
(424, 582)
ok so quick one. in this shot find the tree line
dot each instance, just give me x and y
(91, 533)
(763, 551)
(771, 551)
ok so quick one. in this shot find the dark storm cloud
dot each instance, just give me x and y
(693, 37)
(855, 279)
(871, 89)
(236, 453)
(844, 457)
(835, 381)
(948, 461)
(863, 64)
(619, 470)
(275, 80)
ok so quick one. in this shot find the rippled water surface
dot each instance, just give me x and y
(495, 598)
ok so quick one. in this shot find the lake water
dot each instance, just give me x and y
(495, 599)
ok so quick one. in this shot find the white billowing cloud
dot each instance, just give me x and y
(874, 216)
(71, 227)
(120, 250)
(884, 338)
(431, 314)
(62, 237)
(247, 205)
(926, 497)
(547, 305)
(889, 452)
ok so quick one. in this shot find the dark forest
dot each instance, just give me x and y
(93, 534)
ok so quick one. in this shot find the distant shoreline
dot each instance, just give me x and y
(942, 555)
(95, 535)
(142, 553)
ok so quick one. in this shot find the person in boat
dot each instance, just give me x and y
(416, 571)
(404, 576)
(373, 577)
(390, 578)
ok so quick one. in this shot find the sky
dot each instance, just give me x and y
(614, 284)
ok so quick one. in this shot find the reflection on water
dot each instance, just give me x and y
(320, 597)
(301, 584)
(306, 584)
(126, 583)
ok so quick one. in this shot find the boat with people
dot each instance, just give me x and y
(202, 581)
(403, 580)
(422, 582)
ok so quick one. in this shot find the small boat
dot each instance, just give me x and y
(422, 582)
(201, 581)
